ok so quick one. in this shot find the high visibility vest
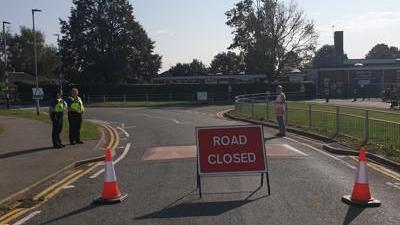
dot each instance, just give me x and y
(60, 106)
(77, 104)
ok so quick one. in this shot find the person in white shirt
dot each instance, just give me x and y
(280, 109)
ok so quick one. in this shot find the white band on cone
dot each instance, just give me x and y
(109, 175)
(362, 175)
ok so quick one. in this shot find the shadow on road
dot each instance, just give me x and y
(352, 213)
(23, 152)
(199, 209)
(73, 213)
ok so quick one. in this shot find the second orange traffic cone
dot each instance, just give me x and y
(110, 192)
(361, 194)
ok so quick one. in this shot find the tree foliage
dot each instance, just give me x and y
(103, 43)
(326, 57)
(273, 35)
(196, 67)
(227, 63)
(383, 51)
(21, 55)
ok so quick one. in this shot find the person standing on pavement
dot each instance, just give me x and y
(280, 109)
(56, 112)
(75, 111)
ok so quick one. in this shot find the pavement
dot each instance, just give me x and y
(27, 156)
(371, 103)
(307, 183)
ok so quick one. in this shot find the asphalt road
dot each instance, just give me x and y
(306, 183)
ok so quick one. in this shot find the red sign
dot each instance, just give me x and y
(233, 149)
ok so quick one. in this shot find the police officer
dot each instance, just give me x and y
(75, 110)
(56, 112)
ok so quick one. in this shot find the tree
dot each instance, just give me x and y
(383, 51)
(270, 33)
(103, 43)
(326, 57)
(21, 55)
(227, 63)
(196, 67)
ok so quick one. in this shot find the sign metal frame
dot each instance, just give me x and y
(262, 172)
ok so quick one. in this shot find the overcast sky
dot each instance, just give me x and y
(187, 29)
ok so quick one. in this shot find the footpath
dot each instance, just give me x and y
(27, 156)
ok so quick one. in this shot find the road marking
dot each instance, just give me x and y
(68, 187)
(322, 152)
(123, 131)
(129, 127)
(5, 216)
(54, 186)
(122, 156)
(381, 169)
(170, 119)
(295, 149)
(15, 216)
(392, 185)
(220, 114)
(25, 219)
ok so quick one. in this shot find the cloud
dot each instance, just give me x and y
(163, 31)
(369, 20)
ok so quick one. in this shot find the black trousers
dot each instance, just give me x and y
(57, 119)
(75, 123)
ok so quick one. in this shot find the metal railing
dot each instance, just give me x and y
(362, 125)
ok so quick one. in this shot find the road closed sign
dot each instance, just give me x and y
(233, 149)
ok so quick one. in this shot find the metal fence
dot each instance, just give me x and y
(364, 126)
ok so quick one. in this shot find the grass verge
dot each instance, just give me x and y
(89, 130)
(383, 136)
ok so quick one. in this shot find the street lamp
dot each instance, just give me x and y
(35, 53)
(59, 64)
(7, 90)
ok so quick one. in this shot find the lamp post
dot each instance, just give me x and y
(35, 56)
(7, 90)
(59, 64)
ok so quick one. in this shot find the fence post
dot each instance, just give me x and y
(252, 108)
(309, 116)
(170, 97)
(88, 100)
(366, 132)
(267, 110)
(212, 98)
(147, 99)
(124, 98)
(104, 98)
(337, 120)
(286, 113)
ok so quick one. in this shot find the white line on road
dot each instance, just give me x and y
(170, 119)
(123, 131)
(322, 152)
(25, 219)
(393, 185)
(122, 156)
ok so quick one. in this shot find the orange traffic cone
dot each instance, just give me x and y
(110, 193)
(361, 194)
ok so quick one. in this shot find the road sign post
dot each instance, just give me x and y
(230, 150)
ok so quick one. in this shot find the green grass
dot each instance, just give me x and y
(384, 136)
(140, 104)
(89, 130)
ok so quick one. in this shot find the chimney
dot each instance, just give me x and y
(339, 50)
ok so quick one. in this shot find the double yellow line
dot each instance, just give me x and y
(54, 189)
(221, 113)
